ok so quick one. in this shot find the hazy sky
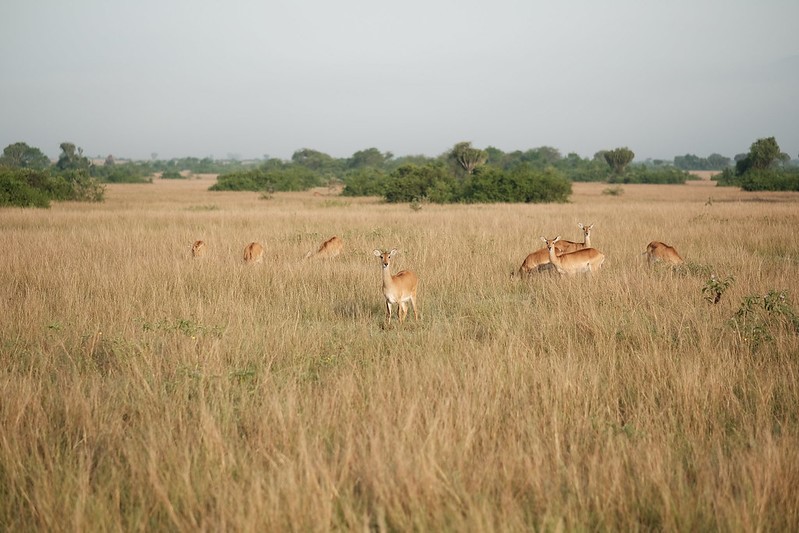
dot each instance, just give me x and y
(264, 77)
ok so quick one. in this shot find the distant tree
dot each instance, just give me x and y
(717, 162)
(154, 155)
(371, 157)
(542, 156)
(688, 162)
(619, 158)
(496, 157)
(466, 157)
(109, 161)
(763, 154)
(72, 158)
(20, 155)
(314, 160)
(762, 169)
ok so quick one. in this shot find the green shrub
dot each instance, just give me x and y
(172, 175)
(290, 177)
(36, 188)
(522, 184)
(409, 182)
(365, 181)
(656, 175)
(436, 183)
(770, 180)
(16, 191)
(727, 178)
(84, 187)
(122, 173)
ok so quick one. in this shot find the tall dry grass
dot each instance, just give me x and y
(141, 389)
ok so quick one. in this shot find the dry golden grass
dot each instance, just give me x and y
(141, 389)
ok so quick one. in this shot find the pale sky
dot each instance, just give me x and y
(205, 78)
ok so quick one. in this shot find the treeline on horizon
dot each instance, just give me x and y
(463, 174)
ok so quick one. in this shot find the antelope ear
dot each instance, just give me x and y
(580, 225)
(544, 239)
(392, 253)
(377, 253)
(556, 239)
(591, 226)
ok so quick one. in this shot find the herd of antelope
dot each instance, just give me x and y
(565, 257)
(569, 257)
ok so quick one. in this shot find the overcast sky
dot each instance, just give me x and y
(268, 77)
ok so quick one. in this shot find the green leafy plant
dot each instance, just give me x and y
(715, 287)
(758, 317)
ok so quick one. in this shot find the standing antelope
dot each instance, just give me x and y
(565, 247)
(539, 260)
(585, 260)
(329, 249)
(198, 249)
(253, 253)
(657, 251)
(399, 288)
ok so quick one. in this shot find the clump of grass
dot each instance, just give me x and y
(615, 190)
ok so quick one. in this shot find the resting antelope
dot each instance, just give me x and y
(657, 251)
(329, 249)
(585, 260)
(253, 253)
(399, 288)
(539, 260)
(198, 249)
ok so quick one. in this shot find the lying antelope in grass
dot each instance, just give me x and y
(539, 260)
(328, 250)
(577, 262)
(399, 288)
(198, 249)
(657, 251)
(253, 253)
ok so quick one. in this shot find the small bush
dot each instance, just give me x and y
(172, 175)
(15, 191)
(365, 181)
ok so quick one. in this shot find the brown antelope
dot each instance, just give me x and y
(198, 249)
(539, 260)
(253, 253)
(399, 288)
(328, 250)
(585, 260)
(570, 246)
(657, 251)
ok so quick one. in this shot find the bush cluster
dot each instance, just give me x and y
(24, 187)
(772, 179)
(270, 178)
(122, 173)
(643, 174)
(436, 183)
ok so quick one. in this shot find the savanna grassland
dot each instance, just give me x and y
(142, 390)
